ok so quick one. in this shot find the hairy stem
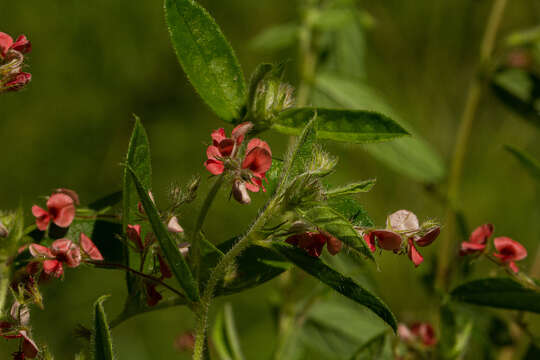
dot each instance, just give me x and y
(460, 149)
(215, 277)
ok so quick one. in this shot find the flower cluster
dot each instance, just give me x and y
(223, 156)
(403, 233)
(64, 252)
(508, 251)
(313, 242)
(12, 78)
(17, 328)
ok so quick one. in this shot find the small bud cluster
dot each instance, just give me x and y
(12, 77)
(402, 234)
(223, 157)
(272, 96)
(313, 240)
(508, 251)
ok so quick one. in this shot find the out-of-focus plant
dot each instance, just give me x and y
(306, 222)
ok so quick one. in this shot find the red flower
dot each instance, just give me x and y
(134, 234)
(152, 295)
(62, 251)
(414, 255)
(259, 160)
(387, 240)
(430, 236)
(369, 238)
(223, 147)
(313, 242)
(19, 81)
(21, 44)
(90, 248)
(508, 251)
(477, 241)
(425, 332)
(60, 209)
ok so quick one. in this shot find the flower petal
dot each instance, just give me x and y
(90, 248)
(42, 217)
(481, 234)
(369, 238)
(240, 131)
(470, 248)
(509, 250)
(6, 42)
(218, 135)
(402, 220)
(212, 152)
(258, 160)
(414, 255)
(62, 209)
(253, 143)
(38, 250)
(215, 167)
(133, 233)
(53, 267)
(388, 240)
(22, 44)
(29, 347)
(429, 237)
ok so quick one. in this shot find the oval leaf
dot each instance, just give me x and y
(354, 126)
(101, 337)
(175, 259)
(206, 57)
(500, 293)
(344, 285)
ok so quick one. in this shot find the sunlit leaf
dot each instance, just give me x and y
(410, 156)
(344, 285)
(530, 164)
(168, 245)
(500, 293)
(206, 57)
(354, 126)
(101, 338)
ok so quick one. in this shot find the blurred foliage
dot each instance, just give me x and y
(96, 63)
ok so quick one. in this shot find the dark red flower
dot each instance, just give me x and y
(313, 242)
(6, 43)
(153, 297)
(425, 332)
(388, 240)
(18, 81)
(509, 251)
(477, 241)
(28, 347)
(60, 209)
(164, 267)
(430, 236)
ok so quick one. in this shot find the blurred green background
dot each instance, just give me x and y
(96, 63)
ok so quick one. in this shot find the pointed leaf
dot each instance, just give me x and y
(168, 245)
(500, 293)
(225, 337)
(354, 126)
(351, 210)
(530, 164)
(101, 338)
(411, 156)
(344, 285)
(335, 224)
(206, 57)
(350, 189)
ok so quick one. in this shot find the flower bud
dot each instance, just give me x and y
(184, 248)
(299, 227)
(173, 226)
(20, 313)
(4, 232)
(240, 192)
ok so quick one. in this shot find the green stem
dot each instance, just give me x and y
(216, 275)
(460, 149)
(4, 286)
(308, 59)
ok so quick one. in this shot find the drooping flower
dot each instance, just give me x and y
(413, 253)
(174, 226)
(60, 209)
(477, 240)
(11, 330)
(22, 44)
(313, 242)
(134, 234)
(509, 251)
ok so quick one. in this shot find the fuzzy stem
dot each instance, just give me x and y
(216, 275)
(4, 286)
(464, 131)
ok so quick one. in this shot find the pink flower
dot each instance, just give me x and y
(90, 248)
(134, 234)
(414, 255)
(313, 242)
(62, 251)
(28, 348)
(174, 226)
(509, 251)
(258, 160)
(369, 238)
(425, 332)
(477, 241)
(21, 44)
(224, 147)
(60, 209)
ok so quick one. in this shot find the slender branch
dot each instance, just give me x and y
(215, 277)
(4, 285)
(133, 271)
(208, 203)
(460, 149)
(308, 59)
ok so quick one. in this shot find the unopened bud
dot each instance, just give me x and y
(4, 232)
(20, 313)
(173, 226)
(240, 192)
(184, 248)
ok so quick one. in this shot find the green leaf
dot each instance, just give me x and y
(206, 57)
(354, 126)
(344, 285)
(372, 349)
(106, 202)
(274, 176)
(500, 293)
(276, 38)
(520, 91)
(101, 338)
(530, 164)
(225, 337)
(351, 210)
(411, 156)
(138, 158)
(351, 189)
(334, 223)
(168, 245)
